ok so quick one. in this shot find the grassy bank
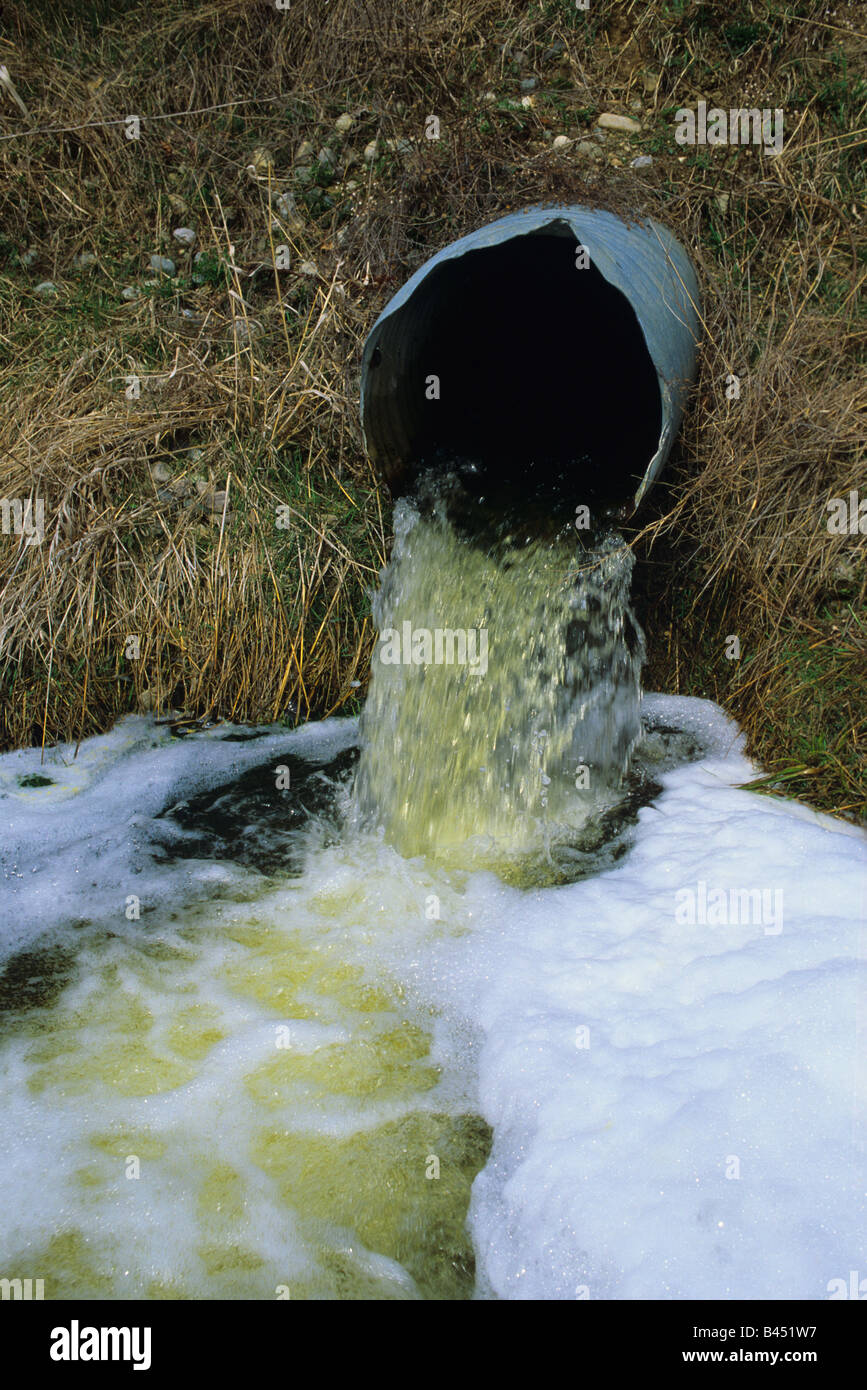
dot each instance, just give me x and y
(196, 443)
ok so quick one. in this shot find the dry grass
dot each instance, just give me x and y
(237, 618)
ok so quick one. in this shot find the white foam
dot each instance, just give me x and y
(713, 1048)
(77, 848)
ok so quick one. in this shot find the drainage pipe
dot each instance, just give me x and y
(549, 353)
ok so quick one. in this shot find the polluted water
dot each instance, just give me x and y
(489, 994)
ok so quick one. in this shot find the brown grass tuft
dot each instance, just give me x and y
(161, 511)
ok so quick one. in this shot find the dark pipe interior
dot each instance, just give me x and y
(547, 389)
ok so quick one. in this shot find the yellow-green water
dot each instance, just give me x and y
(247, 1097)
(489, 765)
(242, 1103)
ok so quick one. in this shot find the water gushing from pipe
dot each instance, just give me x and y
(511, 751)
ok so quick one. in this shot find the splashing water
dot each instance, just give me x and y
(512, 750)
(315, 1068)
(258, 1060)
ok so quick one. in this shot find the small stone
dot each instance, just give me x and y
(305, 152)
(370, 151)
(160, 472)
(285, 205)
(28, 257)
(262, 159)
(185, 235)
(844, 572)
(722, 201)
(177, 204)
(635, 104)
(129, 292)
(642, 161)
(163, 264)
(46, 287)
(561, 144)
(307, 268)
(85, 260)
(399, 146)
(610, 121)
(589, 150)
(344, 123)
(325, 158)
(304, 174)
(214, 502)
(529, 84)
(528, 103)
(245, 329)
(489, 98)
(650, 82)
(554, 51)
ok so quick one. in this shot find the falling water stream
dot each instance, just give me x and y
(236, 1065)
(505, 757)
(240, 1095)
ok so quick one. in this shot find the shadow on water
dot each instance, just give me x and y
(369, 1186)
(34, 980)
(251, 822)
